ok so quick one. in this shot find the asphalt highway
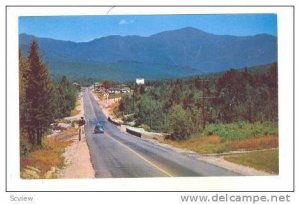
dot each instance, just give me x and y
(121, 155)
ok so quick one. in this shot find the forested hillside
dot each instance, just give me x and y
(183, 107)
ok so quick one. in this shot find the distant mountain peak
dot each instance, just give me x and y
(264, 35)
(191, 29)
(184, 31)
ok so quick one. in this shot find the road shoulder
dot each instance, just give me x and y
(78, 161)
(77, 156)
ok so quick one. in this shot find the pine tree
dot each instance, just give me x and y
(40, 97)
(23, 84)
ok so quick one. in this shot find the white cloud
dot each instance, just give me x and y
(125, 22)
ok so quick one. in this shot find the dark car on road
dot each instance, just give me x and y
(99, 128)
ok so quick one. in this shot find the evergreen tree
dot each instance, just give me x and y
(39, 96)
(23, 84)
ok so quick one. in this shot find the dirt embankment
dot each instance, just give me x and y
(78, 161)
(107, 105)
(77, 155)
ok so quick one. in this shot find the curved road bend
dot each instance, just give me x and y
(120, 155)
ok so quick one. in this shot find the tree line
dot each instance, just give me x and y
(182, 107)
(41, 99)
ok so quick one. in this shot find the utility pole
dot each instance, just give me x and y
(138, 83)
(203, 105)
(133, 96)
(203, 83)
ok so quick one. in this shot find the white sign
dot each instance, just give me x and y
(140, 81)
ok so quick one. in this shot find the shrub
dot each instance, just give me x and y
(25, 148)
(128, 118)
(145, 127)
(180, 123)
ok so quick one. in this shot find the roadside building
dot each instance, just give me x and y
(125, 90)
(97, 86)
(113, 90)
(140, 81)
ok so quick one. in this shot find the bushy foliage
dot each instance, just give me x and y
(149, 112)
(242, 96)
(179, 123)
(145, 127)
(66, 95)
(239, 97)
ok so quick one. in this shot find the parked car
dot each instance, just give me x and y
(99, 128)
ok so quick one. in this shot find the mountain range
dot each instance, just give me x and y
(175, 53)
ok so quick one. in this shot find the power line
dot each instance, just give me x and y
(203, 83)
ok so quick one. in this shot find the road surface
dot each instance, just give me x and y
(121, 155)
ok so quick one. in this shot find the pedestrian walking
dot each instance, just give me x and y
(81, 123)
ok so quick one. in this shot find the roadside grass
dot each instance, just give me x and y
(64, 121)
(100, 96)
(40, 162)
(117, 95)
(114, 103)
(215, 144)
(78, 102)
(66, 134)
(76, 110)
(256, 143)
(238, 136)
(241, 130)
(112, 109)
(211, 144)
(267, 160)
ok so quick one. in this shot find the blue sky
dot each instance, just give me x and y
(86, 28)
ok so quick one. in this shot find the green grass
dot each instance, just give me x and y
(215, 144)
(239, 136)
(263, 160)
(242, 130)
(116, 95)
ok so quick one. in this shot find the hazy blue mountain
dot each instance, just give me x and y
(168, 54)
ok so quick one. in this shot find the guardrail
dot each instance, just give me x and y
(133, 132)
(138, 134)
(113, 122)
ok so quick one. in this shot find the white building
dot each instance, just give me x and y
(140, 81)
